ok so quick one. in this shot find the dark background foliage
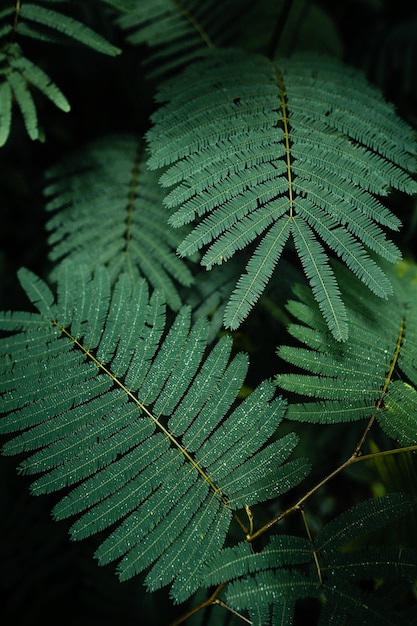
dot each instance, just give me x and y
(44, 578)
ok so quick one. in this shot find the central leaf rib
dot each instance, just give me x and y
(134, 181)
(143, 408)
(286, 128)
(195, 23)
(140, 424)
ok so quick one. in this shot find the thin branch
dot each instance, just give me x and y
(310, 538)
(356, 454)
(279, 28)
(354, 458)
(211, 601)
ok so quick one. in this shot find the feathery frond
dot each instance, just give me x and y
(108, 209)
(178, 33)
(362, 519)
(18, 74)
(40, 22)
(258, 152)
(239, 560)
(285, 570)
(139, 423)
(340, 563)
(374, 374)
(271, 587)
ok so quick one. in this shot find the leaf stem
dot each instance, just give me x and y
(195, 24)
(15, 20)
(134, 178)
(286, 129)
(354, 458)
(310, 538)
(206, 603)
(356, 454)
(211, 601)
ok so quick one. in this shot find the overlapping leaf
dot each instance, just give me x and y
(39, 21)
(260, 153)
(138, 422)
(272, 580)
(178, 33)
(108, 209)
(374, 374)
(19, 74)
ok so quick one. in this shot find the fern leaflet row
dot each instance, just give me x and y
(289, 568)
(375, 375)
(19, 75)
(258, 154)
(179, 32)
(139, 422)
(108, 209)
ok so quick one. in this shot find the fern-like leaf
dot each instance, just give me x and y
(346, 602)
(374, 375)
(145, 431)
(178, 33)
(342, 568)
(6, 101)
(291, 568)
(391, 563)
(237, 561)
(362, 519)
(19, 75)
(108, 209)
(262, 152)
(45, 23)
